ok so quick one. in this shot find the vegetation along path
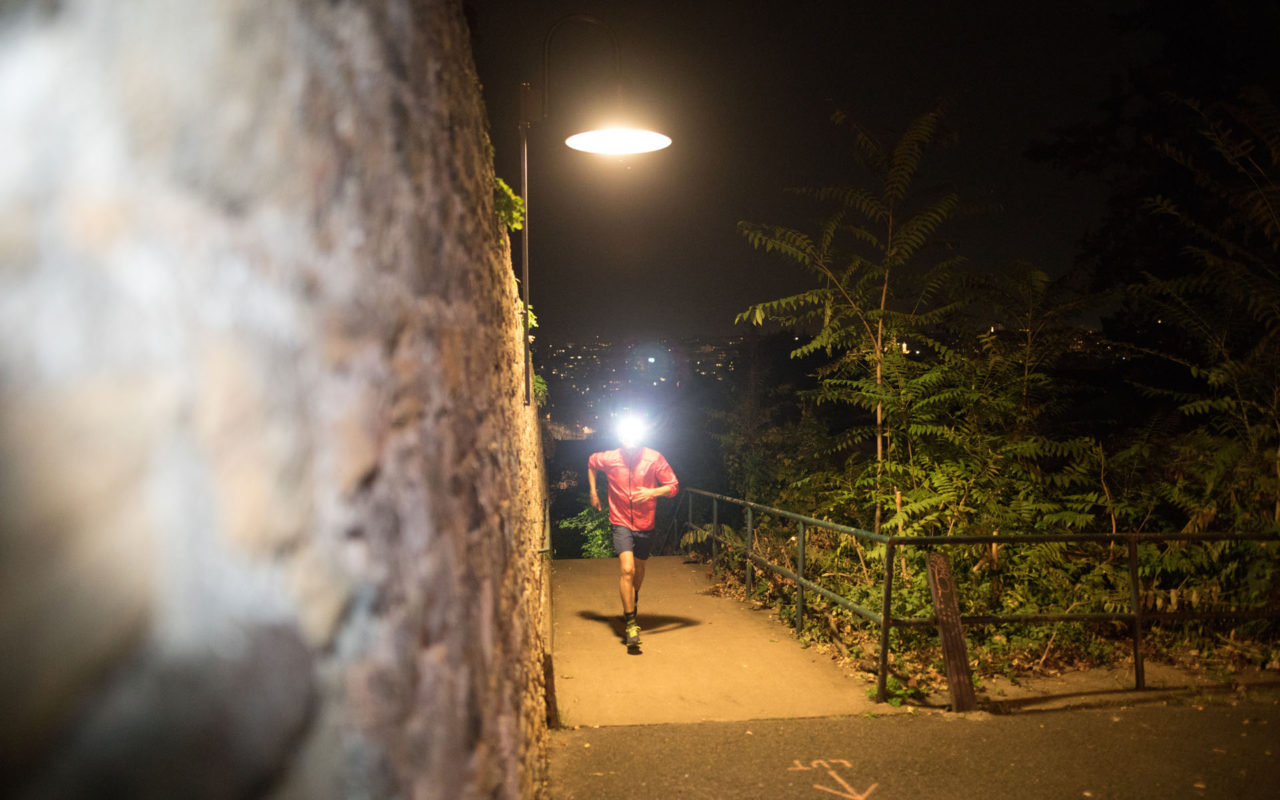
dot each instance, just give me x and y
(723, 702)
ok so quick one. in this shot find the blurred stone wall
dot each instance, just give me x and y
(270, 498)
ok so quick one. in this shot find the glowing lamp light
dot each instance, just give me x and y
(618, 141)
(632, 430)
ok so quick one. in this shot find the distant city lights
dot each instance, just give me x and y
(589, 377)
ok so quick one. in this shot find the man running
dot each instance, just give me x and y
(637, 477)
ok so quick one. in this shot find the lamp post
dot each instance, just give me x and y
(612, 140)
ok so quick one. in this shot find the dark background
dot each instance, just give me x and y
(646, 246)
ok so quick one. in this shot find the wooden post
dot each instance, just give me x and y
(886, 624)
(954, 650)
(1135, 606)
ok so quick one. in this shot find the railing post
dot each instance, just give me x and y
(1135, 605)
(886, 622)
(690, 525)
(746, 561)
(800, 587)
(715, 533)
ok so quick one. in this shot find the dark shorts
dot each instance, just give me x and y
(638, 542)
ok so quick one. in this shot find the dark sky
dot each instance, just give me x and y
(647, 246)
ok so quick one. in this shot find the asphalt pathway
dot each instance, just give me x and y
(1154, 752)
(703, 658)
(724, 703)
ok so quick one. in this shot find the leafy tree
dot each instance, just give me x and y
(878, 273)
(1228, 312)
(978, 419)
(1200, 318)
(759, 422)
(959, 385)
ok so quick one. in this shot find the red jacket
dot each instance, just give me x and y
(646, 469)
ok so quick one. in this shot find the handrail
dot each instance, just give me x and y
(878, 537)
(838, 599)
(1135, 616)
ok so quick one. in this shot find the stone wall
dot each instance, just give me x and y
(270, 498)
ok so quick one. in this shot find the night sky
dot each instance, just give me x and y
(647, 246)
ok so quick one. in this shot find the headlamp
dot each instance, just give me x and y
(631, 430)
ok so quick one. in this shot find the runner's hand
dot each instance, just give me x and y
(595, 501)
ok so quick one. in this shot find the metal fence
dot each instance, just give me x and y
(1136, 616)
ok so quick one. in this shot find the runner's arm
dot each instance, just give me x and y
(668, 485)
(591, 482)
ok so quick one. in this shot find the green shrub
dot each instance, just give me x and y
(594, 528)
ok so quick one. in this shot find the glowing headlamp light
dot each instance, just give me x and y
(631, 430)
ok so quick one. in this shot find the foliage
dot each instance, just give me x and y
(533, 317)
(975, 444)
(508, 204)
(896, 692)
(878, 276)
(755, 437)
(698, 535)
(594, 529)
(957, 417)
(540, 391)
(955, 414)
(1229, 314)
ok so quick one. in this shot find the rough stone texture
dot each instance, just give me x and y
(270, 499)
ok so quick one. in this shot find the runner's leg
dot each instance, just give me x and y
(637, 579)
(627, 581)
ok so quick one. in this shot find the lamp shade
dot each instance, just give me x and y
(618, 141)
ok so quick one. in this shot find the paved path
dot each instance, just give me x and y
(704, 657)
(724, 703)
(1146, 753)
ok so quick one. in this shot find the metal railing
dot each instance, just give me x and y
(1136, 616)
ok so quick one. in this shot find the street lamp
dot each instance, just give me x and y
(607, 140)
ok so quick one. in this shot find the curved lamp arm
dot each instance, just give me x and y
(546, 51)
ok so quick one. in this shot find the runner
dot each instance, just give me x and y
(637, 476)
